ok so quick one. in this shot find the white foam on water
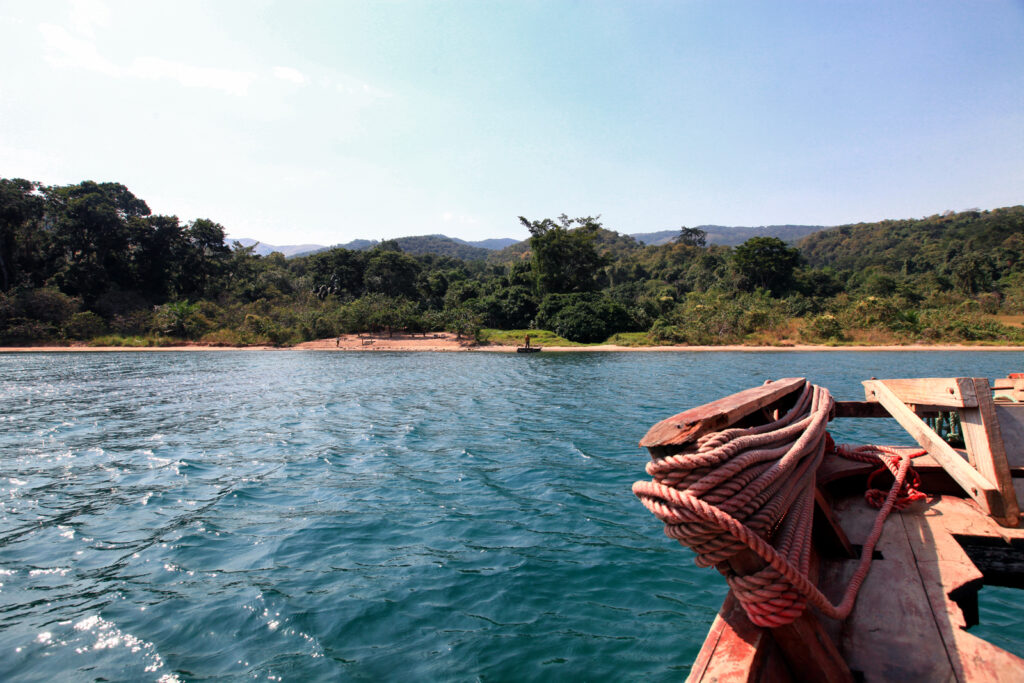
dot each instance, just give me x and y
(58, 571)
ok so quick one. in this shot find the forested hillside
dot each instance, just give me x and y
(973, 249)
(90, 263)
(731, 236)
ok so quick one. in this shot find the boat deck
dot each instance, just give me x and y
(910, 619)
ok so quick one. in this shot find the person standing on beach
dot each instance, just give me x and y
(527, 341)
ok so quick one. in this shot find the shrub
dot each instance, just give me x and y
(887, 313)
(825, 327)
(585, 318)
(46, 305)
(180, 319)
(705, 318)
(119, 340)
(84, 325)
(132, 323)
(966, 326)
(26, 330)
(225, 337)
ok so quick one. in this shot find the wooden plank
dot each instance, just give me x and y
(891, 634)
(860, 409)
(1009, 389)
(1011, 425)
(976, 486)
(951, 582)
(963, 517)
(1000, 560)
(734, 649)
(944, 392)
(691, 424)
(829, 537)
(984, 441)
(806, 646)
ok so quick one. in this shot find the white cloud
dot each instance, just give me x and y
(87, 15)
(460, 219)
(286, 73)
(226, 80)
(66, 50)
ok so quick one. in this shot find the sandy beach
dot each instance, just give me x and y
(446, 342)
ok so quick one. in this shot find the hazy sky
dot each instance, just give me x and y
(326, 121)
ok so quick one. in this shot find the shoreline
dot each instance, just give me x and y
(449, 343)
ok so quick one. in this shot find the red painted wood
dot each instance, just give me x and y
(691, 424)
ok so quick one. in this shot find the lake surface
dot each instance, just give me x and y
(323, 516)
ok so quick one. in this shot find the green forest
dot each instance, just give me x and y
(89, 263)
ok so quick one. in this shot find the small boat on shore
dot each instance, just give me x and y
(528, 349)
(823, 586)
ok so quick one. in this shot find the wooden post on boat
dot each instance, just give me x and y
(982, 471)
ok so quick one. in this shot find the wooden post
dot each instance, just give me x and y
(961, 394)
(984, 441)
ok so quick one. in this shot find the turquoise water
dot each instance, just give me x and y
(323, 516)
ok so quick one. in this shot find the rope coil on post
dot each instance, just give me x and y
(735, 489)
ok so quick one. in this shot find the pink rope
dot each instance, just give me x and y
(735, 489)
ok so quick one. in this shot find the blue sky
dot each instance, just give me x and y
(327, 121)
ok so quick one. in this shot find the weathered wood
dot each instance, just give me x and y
(976, 486)
(891, 634)
(829, 537)
(691, 424)
(1009, 389)
(1001, 561)
(984, 441)
(860, 409)
(734, 649)
(941, 392)
(806, 646)
(951, 581)
(1011, 426)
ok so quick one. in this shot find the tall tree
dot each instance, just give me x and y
(92, 234)
(766, 262)
(21, 212)
(391, 273)
(694, 237)
(564, 256)
(207, 257)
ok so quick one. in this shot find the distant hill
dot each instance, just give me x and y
(493, 244)
(424, 244)
(504, 248)
(947, 242)
(606, 241)
(441, 246)
(288, 250)
(357, 245)
(731, 236)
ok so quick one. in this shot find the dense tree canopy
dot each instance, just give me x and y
(86, 260)
(766, 262)
(565, 258)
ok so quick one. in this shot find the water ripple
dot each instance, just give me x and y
(229, 516)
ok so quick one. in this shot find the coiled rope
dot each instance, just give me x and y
(735, 489)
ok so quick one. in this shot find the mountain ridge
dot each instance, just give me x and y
(728, 236)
